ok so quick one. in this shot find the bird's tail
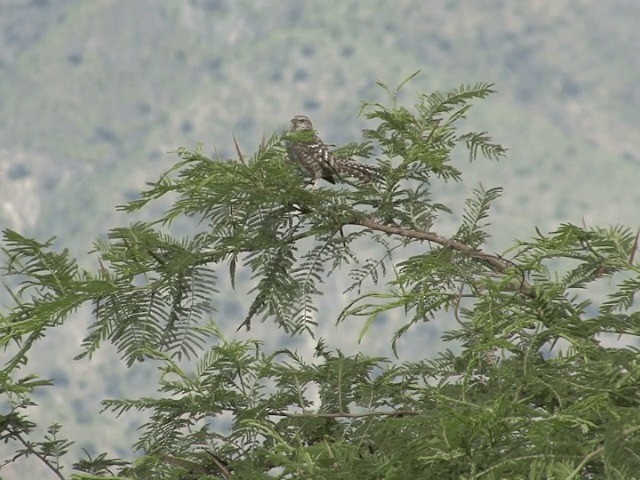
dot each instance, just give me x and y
(364, 173)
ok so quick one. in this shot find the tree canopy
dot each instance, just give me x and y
(529, 386)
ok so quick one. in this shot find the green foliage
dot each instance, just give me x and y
(527, 389)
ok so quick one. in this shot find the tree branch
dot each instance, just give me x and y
(497, 263)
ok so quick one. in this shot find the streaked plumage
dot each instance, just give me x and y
(316, 159)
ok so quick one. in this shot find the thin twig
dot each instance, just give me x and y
(240, 156)
(38, 454)
(395, 413)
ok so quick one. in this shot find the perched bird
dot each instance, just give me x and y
(313, 155)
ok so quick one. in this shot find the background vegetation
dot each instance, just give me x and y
(526, 388)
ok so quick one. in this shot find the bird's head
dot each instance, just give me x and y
(300, 123)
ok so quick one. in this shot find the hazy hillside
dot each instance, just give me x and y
(94, 94)
(102, 90)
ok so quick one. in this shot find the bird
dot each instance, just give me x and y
(314, 156)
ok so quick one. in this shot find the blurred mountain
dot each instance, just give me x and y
(103, 90)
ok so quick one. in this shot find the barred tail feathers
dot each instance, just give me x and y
(365, 173)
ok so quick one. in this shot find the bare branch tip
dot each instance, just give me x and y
(235, 142)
